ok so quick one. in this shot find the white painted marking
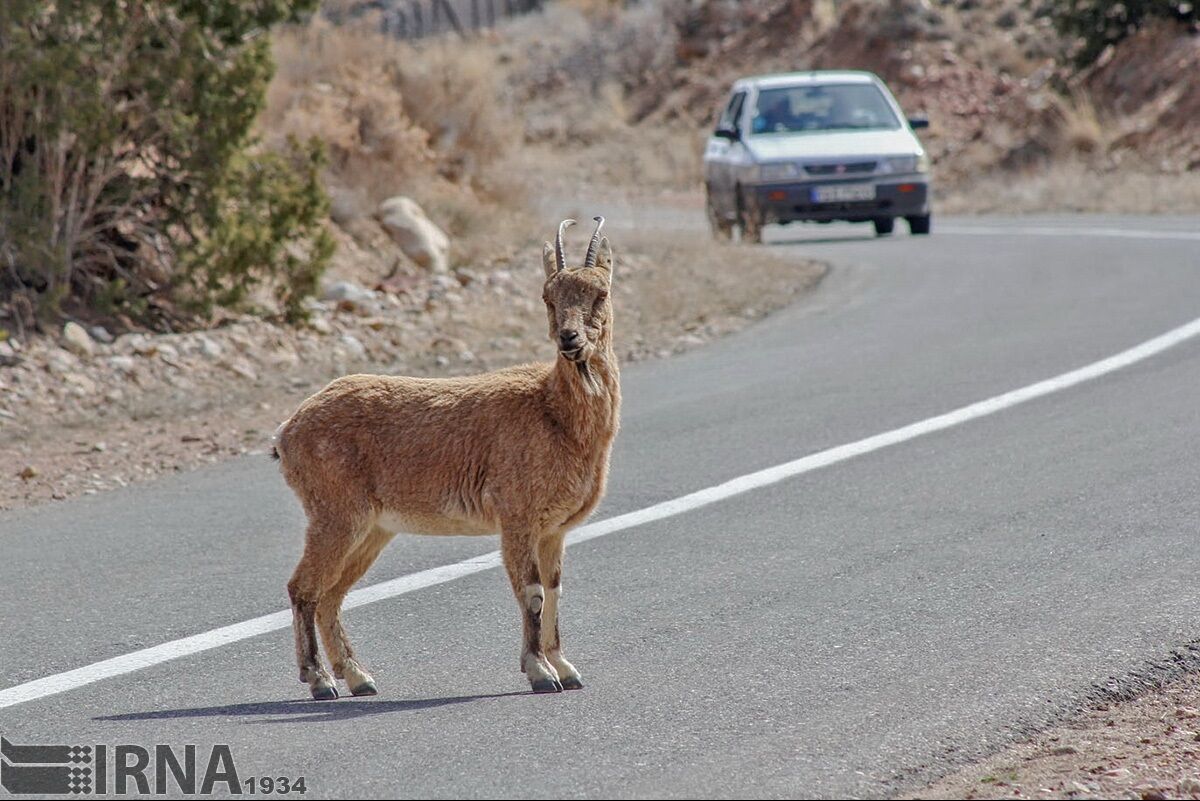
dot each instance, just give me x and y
(1049, 230)
(155, 655)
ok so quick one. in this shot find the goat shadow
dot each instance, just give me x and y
(304, 710)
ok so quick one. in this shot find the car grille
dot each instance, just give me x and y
(849, 168)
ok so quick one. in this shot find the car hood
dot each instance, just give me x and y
(841, 144)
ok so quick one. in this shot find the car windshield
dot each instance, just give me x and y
(829, 107)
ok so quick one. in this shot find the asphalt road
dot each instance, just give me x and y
(853, 631)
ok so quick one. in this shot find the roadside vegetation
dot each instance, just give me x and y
(130, 181)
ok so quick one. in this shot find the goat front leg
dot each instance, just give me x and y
(516, 546)
(550, 562)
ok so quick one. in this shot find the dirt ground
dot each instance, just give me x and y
(1148, 747)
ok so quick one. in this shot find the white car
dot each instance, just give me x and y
(815, 146)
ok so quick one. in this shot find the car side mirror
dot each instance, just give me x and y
(918, 122)
(728, 133)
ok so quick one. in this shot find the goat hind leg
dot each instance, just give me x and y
(323, 555)
(521, 564)
(329, 615)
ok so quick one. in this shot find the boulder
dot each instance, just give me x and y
(417, 235)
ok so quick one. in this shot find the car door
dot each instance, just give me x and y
(721, 155)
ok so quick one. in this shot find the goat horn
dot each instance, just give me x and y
(560, 261)
(590, 260)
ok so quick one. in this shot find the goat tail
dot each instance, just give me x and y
(275, 441)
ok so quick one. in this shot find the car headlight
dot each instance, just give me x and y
(905, 164)
(778, 172)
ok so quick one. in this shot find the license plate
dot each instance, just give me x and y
(843, 193)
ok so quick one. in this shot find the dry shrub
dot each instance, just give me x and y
(425, 120)
(1076, 185)
(1082, 130)
(343, 87)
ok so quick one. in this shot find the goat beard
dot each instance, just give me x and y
(590, 382)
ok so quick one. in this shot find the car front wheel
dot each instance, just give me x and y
(884, 225)
(920, 225)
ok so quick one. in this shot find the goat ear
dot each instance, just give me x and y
(604, 259)
(548, 260)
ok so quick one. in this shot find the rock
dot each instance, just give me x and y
(243, 368)
(28, 472)
(60, 361)
(347, 290)
(125, 365)
(321, 325)
(143, 345)
(283, 358)
(80, 384)
(168, 353)
(100, 334)
(415, 233)
(353, 347)
(8, 357)
(77, 340)
(345, 206)
(350, 297)
(208, 348)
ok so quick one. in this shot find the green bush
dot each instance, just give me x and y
(129, 176)
(1096, 24)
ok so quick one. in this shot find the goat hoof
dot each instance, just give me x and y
(325, 692)
(547, 686)
(366, 688)
(572, 683)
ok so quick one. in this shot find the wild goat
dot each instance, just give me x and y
(522, 451)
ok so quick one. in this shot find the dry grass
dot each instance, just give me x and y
(1082, 131)
(427, 121)
(1073, 185)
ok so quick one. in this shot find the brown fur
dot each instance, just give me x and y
(522, 451)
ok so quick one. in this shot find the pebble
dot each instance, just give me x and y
(349, 293)
(100, 334)
(353, 347)
(77, 340)
(208, 348)
(243, 368)
(123, 364)
(28, 472)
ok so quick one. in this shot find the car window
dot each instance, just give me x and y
(733, 111)
(828, 107)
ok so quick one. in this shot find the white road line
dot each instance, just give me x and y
(1047, 230)
(147, 657)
